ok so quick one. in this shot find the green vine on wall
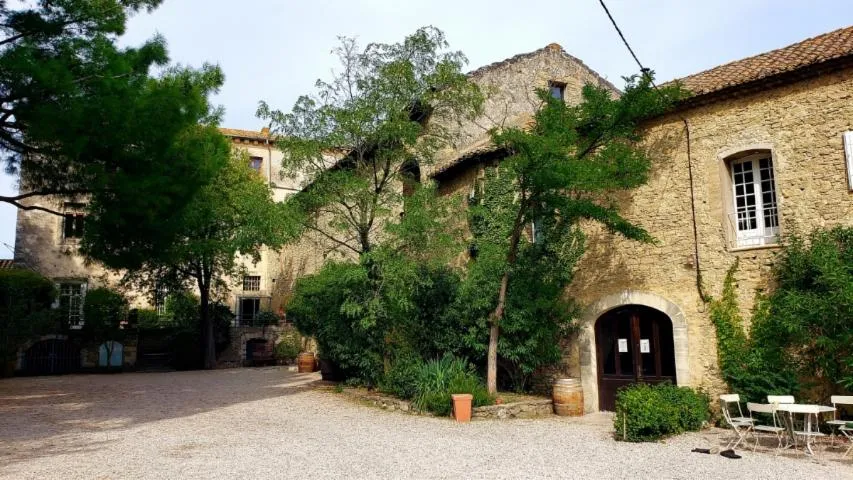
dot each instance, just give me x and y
(749, 367)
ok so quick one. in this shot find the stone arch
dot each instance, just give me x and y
(586, 338)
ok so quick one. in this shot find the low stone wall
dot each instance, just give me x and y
(382, 401)
(524, 409)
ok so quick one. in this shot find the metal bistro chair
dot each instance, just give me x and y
(847, 432)
(740, 424)
(780, 399)
(837, 423)
(778, 432)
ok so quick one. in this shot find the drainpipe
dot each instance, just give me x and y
(699, 287)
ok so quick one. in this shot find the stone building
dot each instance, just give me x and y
(47, 244)
(756, 153)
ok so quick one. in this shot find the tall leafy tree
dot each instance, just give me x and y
(368, 129)
(233, 215)
(563, 169)
(80, 116)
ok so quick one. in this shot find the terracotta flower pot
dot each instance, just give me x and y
(462, 407)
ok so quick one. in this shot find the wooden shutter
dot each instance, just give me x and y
(848, 154)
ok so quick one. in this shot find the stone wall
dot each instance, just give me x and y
(510, 89)
(802, 125)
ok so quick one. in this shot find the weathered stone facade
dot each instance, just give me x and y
(801, 125)
(797, 121)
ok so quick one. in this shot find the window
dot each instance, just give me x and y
(251, 283)
(248, 309)
(72, 221)
(71, 295)
(160, 296)
(557, 89)
(255, 163)
(848, 154)
(537, 232)
(756, 215)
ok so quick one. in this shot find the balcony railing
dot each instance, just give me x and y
(748, 230)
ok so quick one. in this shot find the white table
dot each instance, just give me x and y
(807, 411)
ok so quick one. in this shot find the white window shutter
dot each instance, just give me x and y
(848, 154)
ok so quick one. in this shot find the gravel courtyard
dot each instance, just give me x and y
(271, 423)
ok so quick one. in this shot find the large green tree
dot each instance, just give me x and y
(233, 215)
(81, 117)
(370, 128)
(564, 168)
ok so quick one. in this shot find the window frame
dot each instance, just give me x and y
(241, 321)
(769, 237)
(67, 313)
(74, 213)
(253, 281)
(560, 87)
(259, 159)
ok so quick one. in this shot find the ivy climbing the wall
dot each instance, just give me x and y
(801, 337)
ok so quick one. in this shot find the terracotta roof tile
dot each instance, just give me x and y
(810, 52)
(250, 134)
(6, 264)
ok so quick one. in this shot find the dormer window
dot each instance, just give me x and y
(557, 89)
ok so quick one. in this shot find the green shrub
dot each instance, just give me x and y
(401, 378)
(25, 310)
(147, 318)
(651, 412)
(266, 318)
(289, 346)
(436, 380)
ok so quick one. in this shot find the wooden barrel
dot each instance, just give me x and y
(568, 397)
(305, 362)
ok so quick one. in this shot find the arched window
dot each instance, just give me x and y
(753, 216)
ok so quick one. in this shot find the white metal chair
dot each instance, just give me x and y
(778, 432)
(848, 433)
(740, 424)
(836, 423)
(780, 399)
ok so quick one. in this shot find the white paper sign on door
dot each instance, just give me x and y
(644, 345)
(623, 345)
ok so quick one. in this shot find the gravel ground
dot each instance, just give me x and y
(271, 423)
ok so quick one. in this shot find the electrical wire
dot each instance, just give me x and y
(699, 287)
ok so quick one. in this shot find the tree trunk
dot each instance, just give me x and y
(494, 331)
(208, 342)
(498, 314)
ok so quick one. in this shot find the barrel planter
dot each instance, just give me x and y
(306, 363)
(568, 397)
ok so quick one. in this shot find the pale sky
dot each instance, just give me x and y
(274, 50)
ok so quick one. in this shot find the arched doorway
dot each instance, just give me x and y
(634, 343)
(53, 356)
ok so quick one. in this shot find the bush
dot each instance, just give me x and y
(651, 412)
(289, 346)
(25, 301)
(146, 318)
(434, 382)
(266, 318)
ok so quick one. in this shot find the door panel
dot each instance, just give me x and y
(647, 354)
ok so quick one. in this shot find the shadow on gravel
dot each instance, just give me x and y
(46, 416)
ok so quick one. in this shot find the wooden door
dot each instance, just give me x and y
(634, 344)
